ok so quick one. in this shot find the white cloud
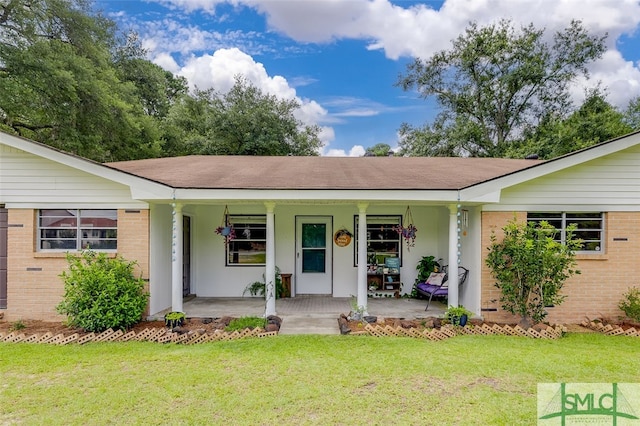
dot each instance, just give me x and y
(619, 76)
(355, 151)
(208, 6)
(218, 71)
(167, 62)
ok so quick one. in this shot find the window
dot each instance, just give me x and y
(77, 229)
(589, 227)
(250, 243)
(382, 240)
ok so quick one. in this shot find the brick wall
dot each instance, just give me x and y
(604, 277)
(34, 286)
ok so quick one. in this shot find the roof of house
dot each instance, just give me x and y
(251, 172)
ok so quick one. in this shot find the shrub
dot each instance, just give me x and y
(245, 322)
(530, 267)
(630, 304)
(101, 292)
(17, 326)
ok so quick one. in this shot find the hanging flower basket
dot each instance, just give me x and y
(407, 230)
(226, 229)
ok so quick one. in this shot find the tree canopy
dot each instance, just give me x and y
(243, 121)
(595, 121)
(378, 150)
(68, 80)
(495, 83)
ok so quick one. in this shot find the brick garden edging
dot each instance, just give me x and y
(448, 331)
(610, 330)
(159, 335)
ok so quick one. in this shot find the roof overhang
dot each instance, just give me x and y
(489, 191)
(141, 188)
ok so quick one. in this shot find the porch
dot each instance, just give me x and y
(308, 314)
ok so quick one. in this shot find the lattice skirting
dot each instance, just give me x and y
(159, 335)
(611, 330)
(447, 332)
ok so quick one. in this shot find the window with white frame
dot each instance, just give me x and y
(382, 240)
(589, 227)
(250, 242)
(77, 229)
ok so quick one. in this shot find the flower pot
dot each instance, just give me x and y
(226, 231)
(171, 320)
(463, 320)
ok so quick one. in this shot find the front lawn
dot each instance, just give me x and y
(296, 380)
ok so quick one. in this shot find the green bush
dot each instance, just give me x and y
(101, 292)
(245, 322)
(530, 267)
(630, 304)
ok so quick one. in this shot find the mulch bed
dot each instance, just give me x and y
(199, 325)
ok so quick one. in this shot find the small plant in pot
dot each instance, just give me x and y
(457, 315)
(174, 319)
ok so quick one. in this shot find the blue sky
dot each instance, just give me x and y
(341, 58)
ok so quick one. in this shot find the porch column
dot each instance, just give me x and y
(362, 256)
(176, 258)
(453, 255)
(270, 267)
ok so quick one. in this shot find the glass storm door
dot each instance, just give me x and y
(313, 255)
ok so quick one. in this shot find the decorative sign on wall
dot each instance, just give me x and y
(342, 237)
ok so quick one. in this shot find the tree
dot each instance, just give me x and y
(493, 84)
(156, 88)
(244, 121)
(594, 122)
(632, 114)
(530, 267)
(58, 84)
(378, 150)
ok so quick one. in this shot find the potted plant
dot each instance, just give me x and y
(174, 319)
(257, 288)
(457, 315)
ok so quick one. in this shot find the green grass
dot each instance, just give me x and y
(298, 380)
(245, 322)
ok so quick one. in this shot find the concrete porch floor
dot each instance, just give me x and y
(309, 314)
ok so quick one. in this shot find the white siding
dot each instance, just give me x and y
(609, 183)
(30, 181)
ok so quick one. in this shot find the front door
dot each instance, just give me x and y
(313, 254)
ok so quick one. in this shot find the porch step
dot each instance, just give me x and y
(309, 324)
